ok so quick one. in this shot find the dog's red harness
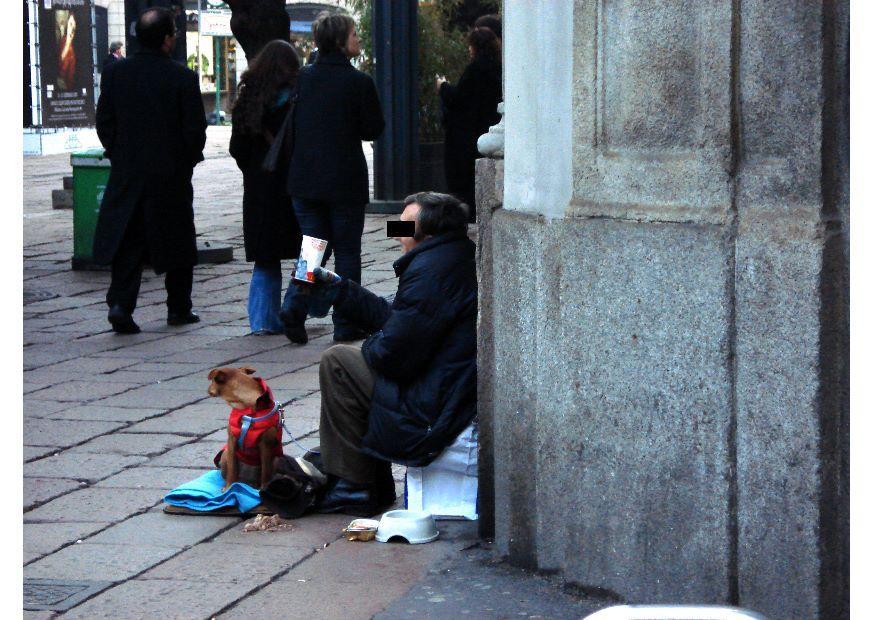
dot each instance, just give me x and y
(247, 426)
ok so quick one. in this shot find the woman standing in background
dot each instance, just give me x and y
(471, 108)
(337, 108)
(270, 229)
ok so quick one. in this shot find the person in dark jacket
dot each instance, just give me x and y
(270, 228)
(151, 122)
(470, 109)
(337, 107)
(411, 388)
(115, 54)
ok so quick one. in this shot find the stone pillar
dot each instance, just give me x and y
(668, 328)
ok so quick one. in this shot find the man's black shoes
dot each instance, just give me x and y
(351, 498)
(182, 318)
(121, 321)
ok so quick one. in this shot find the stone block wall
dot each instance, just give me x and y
(663, 369)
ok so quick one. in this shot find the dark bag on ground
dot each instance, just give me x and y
(291, 492)
(279, 156)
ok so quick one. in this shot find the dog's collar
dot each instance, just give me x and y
(247, 421)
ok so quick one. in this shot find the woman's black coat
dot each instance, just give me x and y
(423, 351)
(150, 120)
(270, 228)
(337, 108)
(471, 109)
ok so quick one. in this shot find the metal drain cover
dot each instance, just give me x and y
(31, 296)
(55, 595)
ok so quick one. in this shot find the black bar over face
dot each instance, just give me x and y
(398, 228)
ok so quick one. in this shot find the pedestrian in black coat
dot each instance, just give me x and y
(471, 109)
(412, 387)
(270, 228)
(151, 122)
(115, 54)
(337, 108)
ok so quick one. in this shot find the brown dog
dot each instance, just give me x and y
(254, 415)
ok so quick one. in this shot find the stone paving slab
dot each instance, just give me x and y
(64, 433)
(163, 530)
(186, 421)
(43, 538)
(82, 391)
(153, 396)
(32, 452)
(149, 599)
(215, 562)
(40, 490)
(143, 444)
(349, 580)
(194, 455)
(95, 504)
(162, 479)
(311, 531)
(89, 467)
(106, 414)
(103, 562)
(41, 408)
(472, 584)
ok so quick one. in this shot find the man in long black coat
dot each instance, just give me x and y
(151, 122)
(411, 388)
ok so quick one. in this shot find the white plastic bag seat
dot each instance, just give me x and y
(447, 487)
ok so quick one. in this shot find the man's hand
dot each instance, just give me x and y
(326, 276)
(322, 292)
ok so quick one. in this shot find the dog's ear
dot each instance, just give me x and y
(216, 375)
(249, 370)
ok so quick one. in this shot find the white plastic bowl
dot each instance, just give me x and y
(414, 527)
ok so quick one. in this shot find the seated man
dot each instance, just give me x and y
(411, 388)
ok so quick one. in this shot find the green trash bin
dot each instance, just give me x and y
(90, 176)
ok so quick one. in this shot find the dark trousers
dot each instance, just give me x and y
(342, 226)
(347, 384)
(127, 271)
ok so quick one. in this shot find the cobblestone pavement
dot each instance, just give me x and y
(111, 423)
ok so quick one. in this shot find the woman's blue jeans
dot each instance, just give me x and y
(265, 290)
(342, 226)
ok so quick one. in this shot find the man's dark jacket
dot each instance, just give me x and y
(110, 60)
(423, 351)
(337, 108)
(150, 120)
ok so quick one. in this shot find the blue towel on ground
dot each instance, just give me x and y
(205, 494)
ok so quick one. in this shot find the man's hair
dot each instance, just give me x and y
(331, 30)
(491, 21)
(115, 46)
(439, 214)
(153, 26)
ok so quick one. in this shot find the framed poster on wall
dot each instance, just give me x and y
(66, 63)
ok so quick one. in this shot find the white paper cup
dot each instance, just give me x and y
(312, 252)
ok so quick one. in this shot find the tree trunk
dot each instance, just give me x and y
(256, 22)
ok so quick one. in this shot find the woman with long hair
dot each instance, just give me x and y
(270, 229)
(471, 108)
(337, 108)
